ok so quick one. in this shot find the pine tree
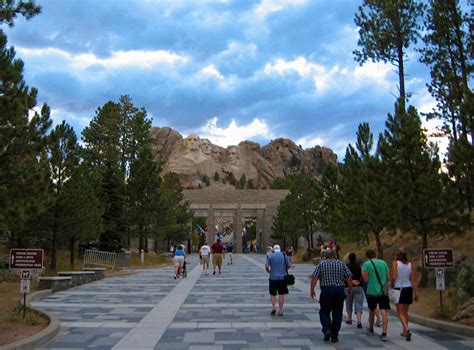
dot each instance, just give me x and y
(173, 211)
(80, 209)
(386, 30)
(144, 195)
(426, 202)
(446, 53)
(23, 177)
(113, 141)
(11, 8)
(63, 161)
(363, 204)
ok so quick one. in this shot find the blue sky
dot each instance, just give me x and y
(225, 70)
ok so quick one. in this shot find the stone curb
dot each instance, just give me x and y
(40, 337)
(436, 324)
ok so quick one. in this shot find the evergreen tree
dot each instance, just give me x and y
(144, 195)
(23, 176)
(242, 182)
(363, 205)
(9, 9)
(387, 28)
(113, 141)
(114, 204)
(63, 159)
(79, 213)
(173, 213)
(446, 53)
(300, 209)
(426, 202)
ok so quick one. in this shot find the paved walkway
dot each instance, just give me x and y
(151, 310)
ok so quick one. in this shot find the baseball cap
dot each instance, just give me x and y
(276, 248)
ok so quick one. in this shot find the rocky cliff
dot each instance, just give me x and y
(199, 163)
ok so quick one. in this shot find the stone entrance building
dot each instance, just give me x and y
(237, 205)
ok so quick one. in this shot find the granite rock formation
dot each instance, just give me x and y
(199, 163)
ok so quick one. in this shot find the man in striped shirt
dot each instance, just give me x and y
(331, 274)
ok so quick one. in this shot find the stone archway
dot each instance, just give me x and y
(238, 204)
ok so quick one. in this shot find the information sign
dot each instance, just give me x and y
(31, 259)
(440, 283)
(25, 274)
(25, 286)
(436, 258)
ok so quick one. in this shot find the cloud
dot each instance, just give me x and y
(233, 134)
(118, 59)
(325, 77)
(267, 7)
(335, 138)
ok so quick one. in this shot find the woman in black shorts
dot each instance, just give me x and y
(404, 279)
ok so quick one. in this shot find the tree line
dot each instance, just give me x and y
(56, 193)
(398, 181)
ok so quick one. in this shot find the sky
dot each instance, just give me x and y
(226, 70)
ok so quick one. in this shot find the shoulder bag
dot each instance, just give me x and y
(384, 286)
(289, 279)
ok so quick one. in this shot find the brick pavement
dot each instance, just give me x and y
(151, 310)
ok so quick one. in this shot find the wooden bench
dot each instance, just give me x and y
(56, 283)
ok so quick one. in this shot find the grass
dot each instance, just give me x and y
(12, 325)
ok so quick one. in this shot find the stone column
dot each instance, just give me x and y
(238, 230)
(211, 225)
(261, 229)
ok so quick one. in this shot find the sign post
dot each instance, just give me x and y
(438, 259)
(26, 260)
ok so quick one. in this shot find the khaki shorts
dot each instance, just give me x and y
(178, 261)
(217, 260)
(205, 259)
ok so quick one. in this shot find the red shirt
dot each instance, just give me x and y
(217, 248)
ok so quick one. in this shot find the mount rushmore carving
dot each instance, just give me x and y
(199, 163)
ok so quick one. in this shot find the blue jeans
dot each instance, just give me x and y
(331, 303)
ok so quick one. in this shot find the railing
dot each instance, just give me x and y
(98, 257)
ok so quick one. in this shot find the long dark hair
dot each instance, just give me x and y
(401, 255)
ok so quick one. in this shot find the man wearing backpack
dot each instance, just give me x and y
(375, 273)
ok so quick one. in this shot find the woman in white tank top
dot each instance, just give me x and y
(404, 278)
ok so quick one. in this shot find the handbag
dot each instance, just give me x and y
(289, 279)
(385, 287)
(394, 295)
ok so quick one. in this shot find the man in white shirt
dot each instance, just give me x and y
(205, 253)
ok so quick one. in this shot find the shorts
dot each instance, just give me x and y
(178, 261)
(406, 296)
(355, 300)
(277, 287)
(382, 301)
(217, 260)
(205, 259)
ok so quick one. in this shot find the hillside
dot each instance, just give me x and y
(199, 163)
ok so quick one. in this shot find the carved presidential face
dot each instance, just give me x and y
(192, 142)
(206, 146)
(233, 154)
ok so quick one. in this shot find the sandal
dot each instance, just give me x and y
(407, 336)
(348, 322)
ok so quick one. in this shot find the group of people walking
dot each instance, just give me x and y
(355, 282)
(350, 281)
(219, 252)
